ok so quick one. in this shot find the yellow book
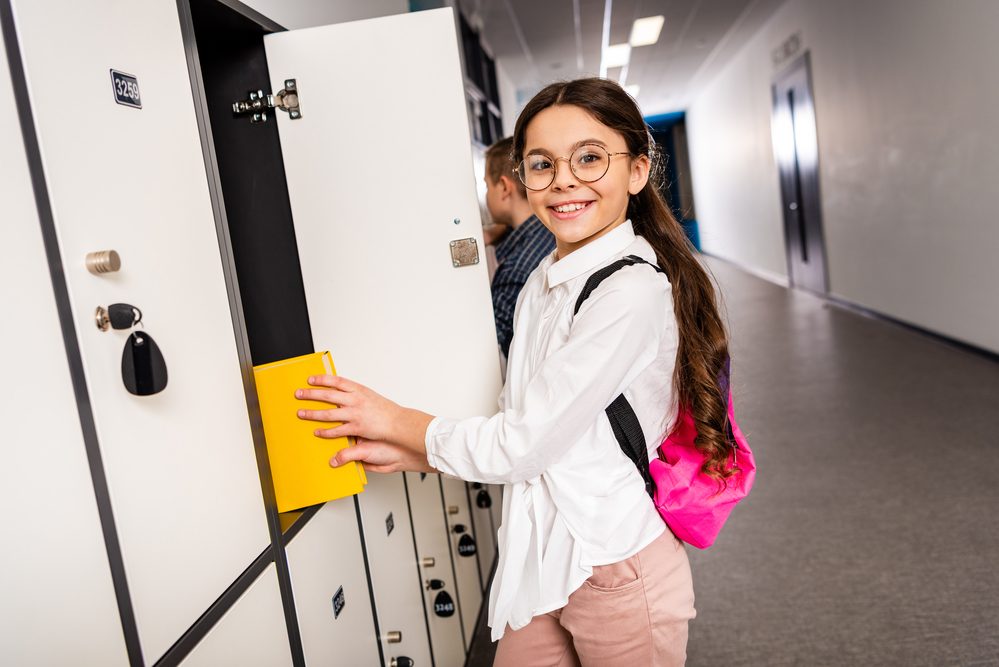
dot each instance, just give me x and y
(299, 459)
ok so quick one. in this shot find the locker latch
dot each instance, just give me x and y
(258, 103)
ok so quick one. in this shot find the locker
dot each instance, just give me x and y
(466, 565)
(331, 591)
(372, 240)
(55, 531)
(442, 597)
(496, 510)
(180, 464)
(482, 499)
(251, 634)
(126, 169)
(421, 329)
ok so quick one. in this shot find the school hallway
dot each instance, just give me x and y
(870, 535)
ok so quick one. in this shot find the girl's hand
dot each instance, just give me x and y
(383, 457)
(391, 435)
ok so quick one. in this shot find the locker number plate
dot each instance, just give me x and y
(338, 603)
(126, 89)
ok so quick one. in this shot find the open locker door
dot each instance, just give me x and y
(379, 171)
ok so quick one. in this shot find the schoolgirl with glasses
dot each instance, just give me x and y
(588, 572)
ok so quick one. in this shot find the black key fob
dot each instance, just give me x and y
(123, 316)
(466, 546)
(483, 500)
(444, 605)
(143, 369)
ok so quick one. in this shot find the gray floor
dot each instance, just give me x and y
(872, 536)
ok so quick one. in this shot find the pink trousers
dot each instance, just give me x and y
(632, 613)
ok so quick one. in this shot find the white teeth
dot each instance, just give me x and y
(567, 208)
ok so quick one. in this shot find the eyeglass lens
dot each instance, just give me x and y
(588, 163)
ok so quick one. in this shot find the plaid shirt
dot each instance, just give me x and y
(517, 255)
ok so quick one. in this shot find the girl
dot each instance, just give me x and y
(588, 573)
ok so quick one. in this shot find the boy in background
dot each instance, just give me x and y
(520, 240)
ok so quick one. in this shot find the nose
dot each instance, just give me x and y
(564, 178)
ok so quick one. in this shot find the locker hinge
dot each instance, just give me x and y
(258, 103)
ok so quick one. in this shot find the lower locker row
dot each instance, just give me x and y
(427, 599)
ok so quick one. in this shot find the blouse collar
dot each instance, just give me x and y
(591, 255)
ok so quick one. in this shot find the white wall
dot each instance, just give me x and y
(293, 14)
(905, 94)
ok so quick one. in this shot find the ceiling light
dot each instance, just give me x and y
(632, 89)
(646, 31)
(616, 55)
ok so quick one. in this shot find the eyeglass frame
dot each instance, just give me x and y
(555, 160)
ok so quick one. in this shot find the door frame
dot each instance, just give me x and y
(802, 208)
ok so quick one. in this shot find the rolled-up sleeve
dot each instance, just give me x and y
(612, 339)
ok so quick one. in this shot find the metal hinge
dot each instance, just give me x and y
(258, 103)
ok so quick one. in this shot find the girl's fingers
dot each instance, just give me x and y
(333, 415)
(333, 382)
(342, 431)
(325, 395)
(355, 453)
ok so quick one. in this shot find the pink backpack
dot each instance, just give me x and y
(694, 505)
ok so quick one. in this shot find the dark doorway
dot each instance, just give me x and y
(669, 131)
(796, 150)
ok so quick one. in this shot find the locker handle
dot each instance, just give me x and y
(103, 261)
(429, 561)
(393, 636)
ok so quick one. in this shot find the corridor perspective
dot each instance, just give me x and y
(871, 534)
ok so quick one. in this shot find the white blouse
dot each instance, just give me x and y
(572, 499)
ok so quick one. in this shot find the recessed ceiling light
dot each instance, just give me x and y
(617, 55)
(646, 31)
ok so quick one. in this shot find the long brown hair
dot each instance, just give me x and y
(700, 377)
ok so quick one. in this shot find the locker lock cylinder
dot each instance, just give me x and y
(258, 103)
(393, 637)
(103, 261)
(401, 661)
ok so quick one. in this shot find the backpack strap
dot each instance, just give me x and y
(623, 420)
(599, 276)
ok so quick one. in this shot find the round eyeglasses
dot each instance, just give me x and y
(588, 163)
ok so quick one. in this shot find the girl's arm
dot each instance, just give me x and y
(613, 338)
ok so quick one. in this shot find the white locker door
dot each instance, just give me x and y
(441, 595)
(395, 573)
(379, 171)
(180, 464)
(485, 525)
(466, 564)
(54, 577)
(251, 634)
(331, 589)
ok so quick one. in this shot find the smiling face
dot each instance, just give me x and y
(577, 212)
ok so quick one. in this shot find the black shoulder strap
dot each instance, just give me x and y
(599, 276)
(621, 415)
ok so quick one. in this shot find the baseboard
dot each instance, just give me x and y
(864, 311)
(769, 276)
